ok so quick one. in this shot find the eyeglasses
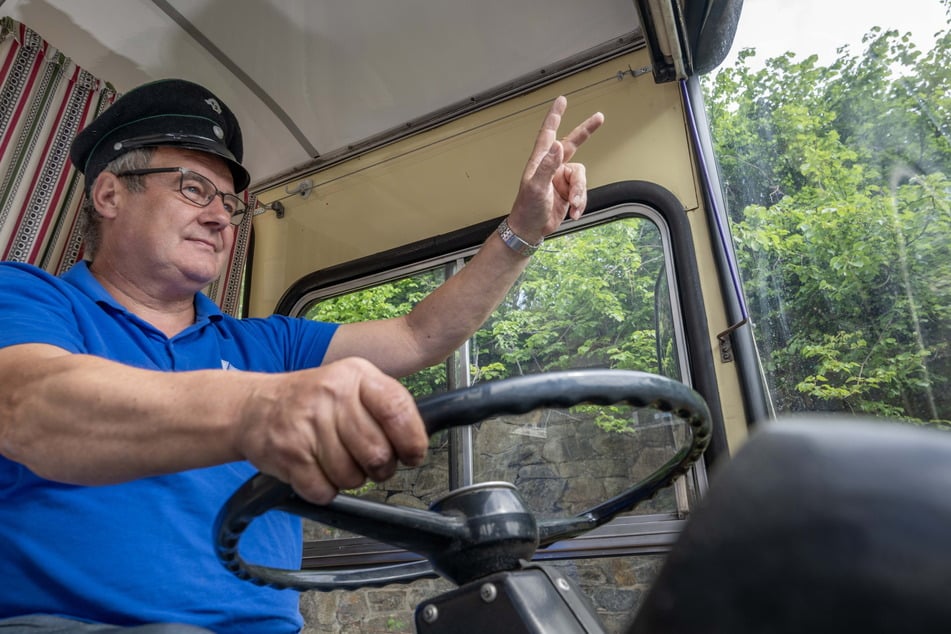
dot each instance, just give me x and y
(198, 189)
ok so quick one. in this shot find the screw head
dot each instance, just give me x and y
(488, 592)
(430, 613)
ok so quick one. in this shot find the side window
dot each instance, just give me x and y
(602, 294)
(598, 296)
(587, 299)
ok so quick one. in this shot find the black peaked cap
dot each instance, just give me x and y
(171, 112)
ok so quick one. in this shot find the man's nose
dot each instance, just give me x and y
(216, 212)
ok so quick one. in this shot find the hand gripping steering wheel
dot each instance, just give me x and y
(477, 530)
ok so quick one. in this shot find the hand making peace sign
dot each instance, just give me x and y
(552, 188)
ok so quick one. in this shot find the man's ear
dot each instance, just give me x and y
(107, 194)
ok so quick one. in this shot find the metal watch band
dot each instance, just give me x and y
(514, 242)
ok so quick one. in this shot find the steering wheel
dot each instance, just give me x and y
(475, 530)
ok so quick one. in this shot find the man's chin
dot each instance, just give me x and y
(201, 277)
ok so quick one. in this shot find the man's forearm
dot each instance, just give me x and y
(446, 318)
(86, 420)
(441, 322)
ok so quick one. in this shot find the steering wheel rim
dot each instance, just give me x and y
(428, 532)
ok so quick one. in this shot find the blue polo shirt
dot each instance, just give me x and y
(142, 551)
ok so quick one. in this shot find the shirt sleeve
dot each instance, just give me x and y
(309, 341)
(279, 343)
(36, 307)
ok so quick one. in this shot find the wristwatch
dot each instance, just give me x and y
(514, 242)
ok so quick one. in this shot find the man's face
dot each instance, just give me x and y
(162, 238)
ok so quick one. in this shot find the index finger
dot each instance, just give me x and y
(394, 410)
(580, 134)
(546, 136)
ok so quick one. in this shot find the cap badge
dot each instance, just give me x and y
(218, 132)
(214, 105)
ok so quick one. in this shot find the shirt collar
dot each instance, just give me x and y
(82, 278)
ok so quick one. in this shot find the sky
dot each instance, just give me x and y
(774, 27)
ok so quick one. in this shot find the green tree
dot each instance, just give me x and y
(837, 183)
(587, 300)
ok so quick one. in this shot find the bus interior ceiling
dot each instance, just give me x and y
(312, 82)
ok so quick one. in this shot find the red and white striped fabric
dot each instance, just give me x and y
(45, 100)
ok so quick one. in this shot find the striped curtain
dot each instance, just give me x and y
(228, 290)
(45, 100)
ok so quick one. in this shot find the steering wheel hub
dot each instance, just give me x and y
(499, 531)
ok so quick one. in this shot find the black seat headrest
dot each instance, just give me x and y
(823, 525)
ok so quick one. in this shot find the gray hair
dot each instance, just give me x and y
(89, 219)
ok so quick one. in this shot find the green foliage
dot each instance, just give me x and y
(586, 300)
(837, 182)
(376, 302)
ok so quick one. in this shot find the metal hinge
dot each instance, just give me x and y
(726, 343)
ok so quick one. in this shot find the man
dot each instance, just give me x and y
(120, 434)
